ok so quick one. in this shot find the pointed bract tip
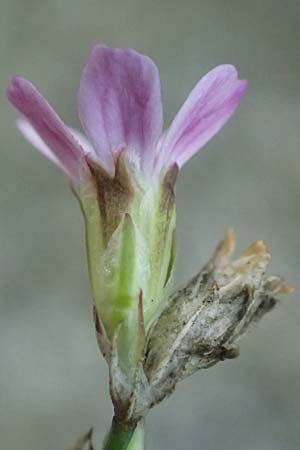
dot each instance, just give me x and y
(255, 248)
(286, 288)
(229, 241)
(224, 249)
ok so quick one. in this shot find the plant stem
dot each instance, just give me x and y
(125, 437)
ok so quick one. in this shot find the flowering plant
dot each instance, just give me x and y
(123, 174)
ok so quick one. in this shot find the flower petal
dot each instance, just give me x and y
(119, 104)
(35, 140)
(84, 143)
(208, 107)
(45, 129)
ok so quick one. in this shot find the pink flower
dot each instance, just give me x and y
(119, 103)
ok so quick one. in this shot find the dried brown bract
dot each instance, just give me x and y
(204, 321)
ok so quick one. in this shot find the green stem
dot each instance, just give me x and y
(125, 437)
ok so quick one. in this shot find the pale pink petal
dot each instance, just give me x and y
(120, 104)
(55, 136)
(35, 140)
(84, 143)
(208, 107)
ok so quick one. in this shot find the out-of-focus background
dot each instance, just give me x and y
(53, 383)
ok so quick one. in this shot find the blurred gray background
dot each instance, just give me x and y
(53, 383)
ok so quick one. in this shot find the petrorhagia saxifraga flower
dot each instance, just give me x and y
(124, 174)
